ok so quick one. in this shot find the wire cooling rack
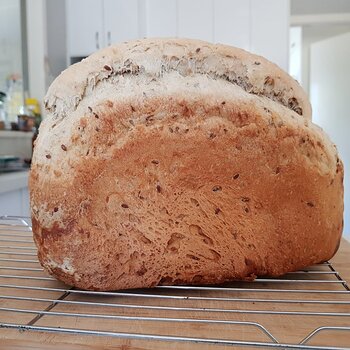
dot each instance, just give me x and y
(308, 309)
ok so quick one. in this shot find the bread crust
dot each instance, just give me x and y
(180, 177)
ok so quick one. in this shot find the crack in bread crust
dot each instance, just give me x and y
(153, 58)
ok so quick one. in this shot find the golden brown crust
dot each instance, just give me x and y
(200, 183)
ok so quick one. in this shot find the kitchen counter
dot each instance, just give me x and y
(16, 143)
(14, 196)
(16, 134)
(13, 181)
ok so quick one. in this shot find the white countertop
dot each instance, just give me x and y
(16, 134)
(13, 181)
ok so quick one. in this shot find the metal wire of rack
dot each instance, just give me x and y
(316, 300)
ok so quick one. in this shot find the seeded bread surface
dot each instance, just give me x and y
(173, 161)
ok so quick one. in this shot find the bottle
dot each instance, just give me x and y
(34, 107)
(14, 99)
(2, 110)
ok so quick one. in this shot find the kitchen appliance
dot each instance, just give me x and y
(307, 309)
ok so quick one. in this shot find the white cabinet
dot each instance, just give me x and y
(84, 26)
(195, 19)
(160, 18)
(121, 20)
(93, 24)
(270, 30)
(232, 23)
(260, 26)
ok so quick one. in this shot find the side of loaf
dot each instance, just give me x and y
(181, 162)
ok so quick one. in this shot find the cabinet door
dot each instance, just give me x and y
(270, 30)
(160, 18)
(84, 26)
(232, 23)
(195, 19)
(121, 19)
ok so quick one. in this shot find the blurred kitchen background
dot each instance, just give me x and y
(40, 38)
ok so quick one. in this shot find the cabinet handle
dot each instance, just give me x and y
(97, 40)
(109, 37)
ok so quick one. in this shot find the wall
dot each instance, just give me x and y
(10, 40)
(330, 95)
(319, 19)
(312, 34)
(295, 52)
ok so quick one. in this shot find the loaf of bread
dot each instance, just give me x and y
(170, 161)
